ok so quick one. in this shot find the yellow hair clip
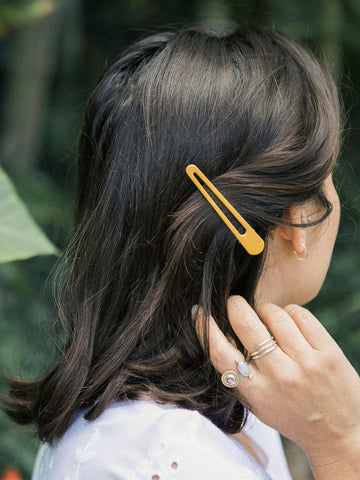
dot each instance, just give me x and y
(250, 240)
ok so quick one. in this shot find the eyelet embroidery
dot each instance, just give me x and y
(174, 466)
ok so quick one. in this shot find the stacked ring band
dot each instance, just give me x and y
(263, 348)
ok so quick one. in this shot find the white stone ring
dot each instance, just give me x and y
(244, 369)
(231, 379)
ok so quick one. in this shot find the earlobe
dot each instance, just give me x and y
(296, 235)
(303, 254)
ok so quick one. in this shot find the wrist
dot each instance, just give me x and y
(337, 459)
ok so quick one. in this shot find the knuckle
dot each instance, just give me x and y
(292, 307)
(272, 315)
(332, 362)
(218, 357)
(313, 367)
(286, 379)
(303, 314)
(300, 312)
(276, 315)
(247, 324)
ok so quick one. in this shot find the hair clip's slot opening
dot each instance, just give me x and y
(226, 212)
(248, 238)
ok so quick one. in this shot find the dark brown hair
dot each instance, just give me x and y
(259, 116)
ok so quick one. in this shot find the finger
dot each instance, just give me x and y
(246, 324)
(224, 356)
(285, 331)
(313, 331)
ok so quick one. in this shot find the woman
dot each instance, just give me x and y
(163, 357)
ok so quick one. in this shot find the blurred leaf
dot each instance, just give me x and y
(20, 237)
(15, 15)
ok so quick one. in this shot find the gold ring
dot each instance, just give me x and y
(230, 379)
(263, 348)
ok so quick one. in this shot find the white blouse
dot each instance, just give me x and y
(143, 440)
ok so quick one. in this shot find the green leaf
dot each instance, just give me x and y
(16, 15)
(20, 237)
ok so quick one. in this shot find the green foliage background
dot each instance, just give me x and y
(51, 55)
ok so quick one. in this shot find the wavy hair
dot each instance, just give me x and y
(259, 115)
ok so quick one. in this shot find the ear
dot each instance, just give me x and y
(296, 215)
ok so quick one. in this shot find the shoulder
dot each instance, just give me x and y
(138, 440)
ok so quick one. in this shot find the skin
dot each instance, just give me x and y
(305, 388)
(287, 280)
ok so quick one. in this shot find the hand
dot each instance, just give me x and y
(305, 388)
